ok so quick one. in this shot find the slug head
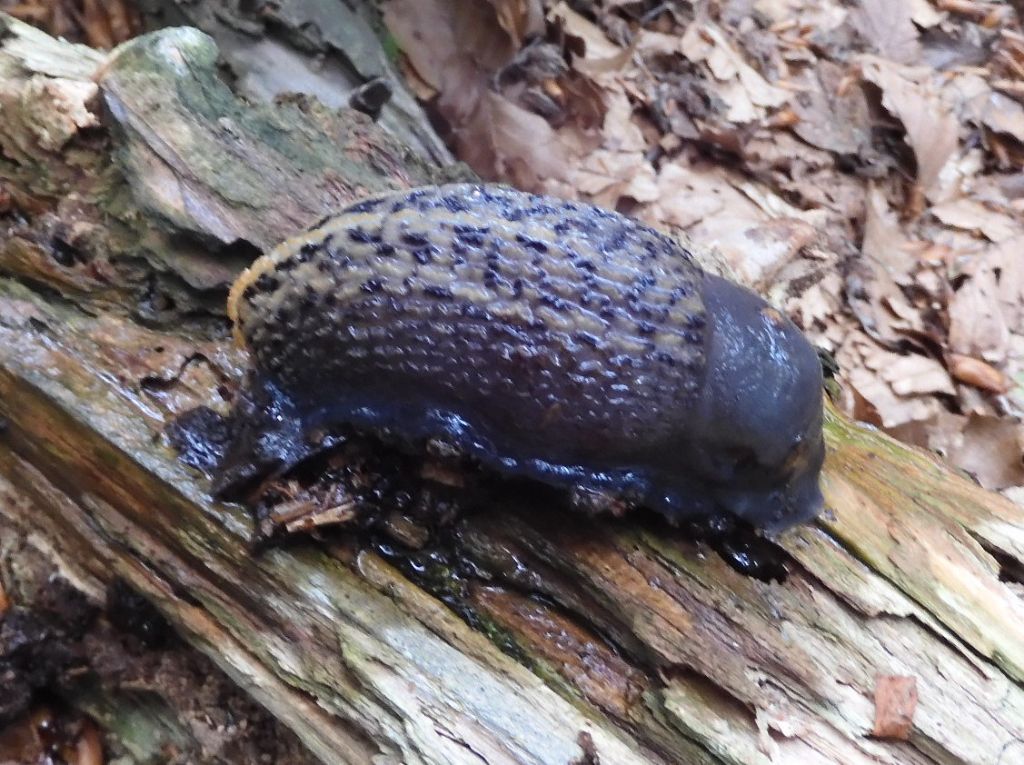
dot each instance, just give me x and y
(760, 413)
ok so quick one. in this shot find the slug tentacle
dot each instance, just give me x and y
(548, 339)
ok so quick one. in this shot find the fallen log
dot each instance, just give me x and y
(135, 186)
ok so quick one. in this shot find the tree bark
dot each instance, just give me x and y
(327, 49)
(136, 186)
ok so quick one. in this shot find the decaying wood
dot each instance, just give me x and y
(160, 700)
(136, 186)
(327, 49)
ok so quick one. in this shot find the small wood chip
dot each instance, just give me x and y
(444, 474)
(895, 703)
(89, 747)
(337, 515)
(5, 602)
(405, 530)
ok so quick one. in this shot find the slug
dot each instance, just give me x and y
(548, 339)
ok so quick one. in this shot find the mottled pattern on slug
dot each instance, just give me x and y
(485, 294)
(548, 339)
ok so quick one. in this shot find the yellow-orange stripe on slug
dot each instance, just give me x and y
(285, 250)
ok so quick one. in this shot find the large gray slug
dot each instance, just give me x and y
(548, 339)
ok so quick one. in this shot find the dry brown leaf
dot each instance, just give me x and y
(880, 305)
(907, 376)
(504, 141)
(884, 242)
(982, 105)
(986, 313)
(619, 168)
(989, 448)
(756, 250)
(914, 375)
(606, 176)
(746, 93)
(453, 47)
(98, 24)
(807, 177)
(125, 20)
(939, 433)
(691, 194)
(1006, 259)
(620, 133)
(959, 175)
(820, 302)
(909, 95)
(887, 25)
(456, 47)
(1002, 114)
(830, 118)
(891, 410)
(924, 14)
(643, 186)
(584, 104)
(992, 450)
(519, 18)
(971, 215)
(773, 205)
(976, 372)
(977, 324)
(420, 88)
(775, 244)
(657, 43)
(599, 49)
